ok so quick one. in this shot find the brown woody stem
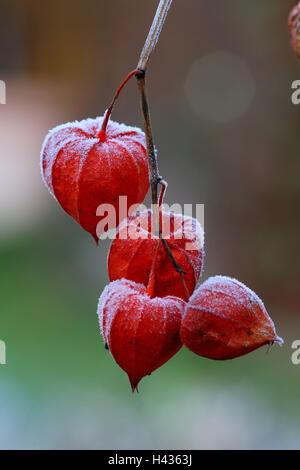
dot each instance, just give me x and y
(155, 178)
(153, 35)
(149, 46)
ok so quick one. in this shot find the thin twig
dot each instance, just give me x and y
(176, 266)
(164, 186)
(149, 46)
(153, 35)
(102, 133)
(155, 178)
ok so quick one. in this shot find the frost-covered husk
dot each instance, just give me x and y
(142, 333)
(83, 172)
(131, 252)
(225, 319)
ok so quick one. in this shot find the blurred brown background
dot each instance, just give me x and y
(227, 134)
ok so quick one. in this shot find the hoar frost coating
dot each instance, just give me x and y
(225, 319)
(133, 249)
(82, 172)
(142, 333)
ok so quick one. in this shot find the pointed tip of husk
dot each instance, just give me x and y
(276, 340)
(134, 384)
(96, 239)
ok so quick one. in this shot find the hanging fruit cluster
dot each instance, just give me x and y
(154, 303)
(147, 313)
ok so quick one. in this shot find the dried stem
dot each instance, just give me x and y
(155, 178)
(151, 41)
(176, 266)
(153, 35)
(102, 133)
(164, 186)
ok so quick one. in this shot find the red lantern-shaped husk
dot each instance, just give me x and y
(141, 333)
(85, 166)
(132, 251)
(224, 319)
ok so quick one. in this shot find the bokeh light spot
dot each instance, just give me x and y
(220, 87)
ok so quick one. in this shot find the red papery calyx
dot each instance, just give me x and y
(141, 333)
(132, 252)
(90, 163)
(224, 319)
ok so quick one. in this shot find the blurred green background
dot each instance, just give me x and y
(228, 136)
